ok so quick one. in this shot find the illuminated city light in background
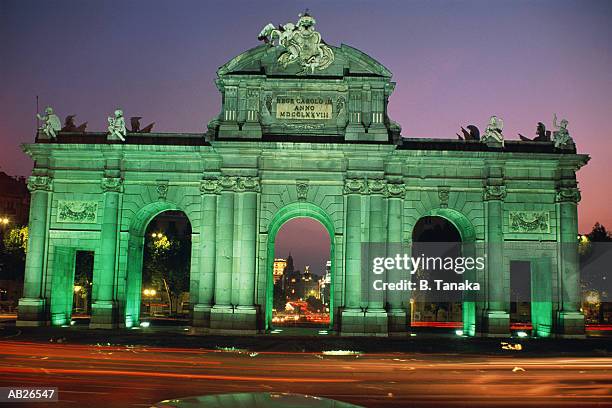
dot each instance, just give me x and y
(149, 292)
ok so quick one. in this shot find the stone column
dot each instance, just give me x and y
(104, 308)
(376, 315)
(208, 239)
(222, 311)
(570, 320)
(245, 314)
(397, 308)
(352, 315)
(32, 304)
(497, 318)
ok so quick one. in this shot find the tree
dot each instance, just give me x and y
(167, 267)
(13, 253)
(599, 234)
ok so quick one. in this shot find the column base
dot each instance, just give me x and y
(104, 315)
(201, 315)
(32, 313)
(570, 325)
(227, 319)
(398, 323)
(376, 323)
(352, 322)
(496, 323)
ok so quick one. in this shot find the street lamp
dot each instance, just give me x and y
(149, 292)
(4, 220)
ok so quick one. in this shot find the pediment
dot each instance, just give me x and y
(264, 60)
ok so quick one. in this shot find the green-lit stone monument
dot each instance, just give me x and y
(303, 132)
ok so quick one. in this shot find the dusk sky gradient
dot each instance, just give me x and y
(455, 63)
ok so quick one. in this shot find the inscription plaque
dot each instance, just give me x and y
(304, 108)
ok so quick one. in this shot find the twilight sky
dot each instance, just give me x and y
(455, 63)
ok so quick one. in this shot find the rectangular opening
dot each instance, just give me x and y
(83, 284)
(520, 292)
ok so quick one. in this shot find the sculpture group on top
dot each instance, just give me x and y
(302, 43)
(493, 134)
(51, 125)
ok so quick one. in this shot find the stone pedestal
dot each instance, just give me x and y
(104, 315)
(230, 320)
(201, 315)
(570, 325)
(32, 313)
(496, 323)
(376, 323)
(397, 321)
(352, 322)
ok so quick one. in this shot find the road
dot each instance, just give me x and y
(109, 376)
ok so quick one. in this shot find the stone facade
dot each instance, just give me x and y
(255, 169)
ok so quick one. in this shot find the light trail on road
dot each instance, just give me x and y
(137, 376)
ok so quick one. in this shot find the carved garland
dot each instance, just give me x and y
(78, 212)
(529, 221)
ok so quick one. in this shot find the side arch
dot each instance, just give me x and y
(133, 277)
(468, 238)
(286, 213)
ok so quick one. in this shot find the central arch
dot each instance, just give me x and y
(289, 212)
(138, 227)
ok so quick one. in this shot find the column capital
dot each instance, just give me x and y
(239, 183)
(248, 184)
(568, 194)
(494, 192)
(112, 184)
(396, 190)
(377, 186)
(210, 186)
(355, 186)
(40, 183)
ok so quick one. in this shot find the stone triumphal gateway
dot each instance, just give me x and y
(303, 132)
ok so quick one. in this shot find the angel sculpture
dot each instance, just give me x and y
(116, 126)
(493, 133)
(51, 123)
(561, 137)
